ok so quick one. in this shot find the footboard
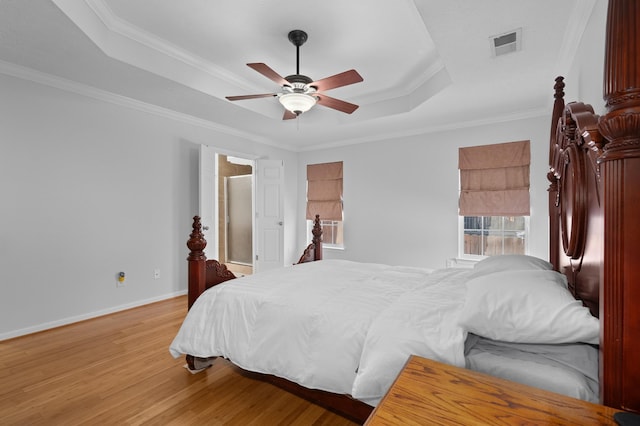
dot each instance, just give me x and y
(205, 273)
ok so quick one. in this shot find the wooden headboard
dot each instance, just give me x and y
(575, 197)
(594, 205)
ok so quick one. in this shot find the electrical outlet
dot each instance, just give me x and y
(156, 274)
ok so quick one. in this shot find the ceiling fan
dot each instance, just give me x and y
(300, 93)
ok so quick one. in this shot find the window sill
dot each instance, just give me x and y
(457, 262)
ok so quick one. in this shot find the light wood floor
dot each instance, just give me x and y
(239, 270)
(117, 370)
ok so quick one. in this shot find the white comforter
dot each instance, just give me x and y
(334, 325)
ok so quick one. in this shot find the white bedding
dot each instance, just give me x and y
(569, 369)
(332, 325)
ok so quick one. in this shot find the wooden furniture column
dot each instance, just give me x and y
(197, 262)
(554, 208)
(620, 168)
(317, 238)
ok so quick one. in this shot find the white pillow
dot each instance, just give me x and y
(508, 262)
(527, 307)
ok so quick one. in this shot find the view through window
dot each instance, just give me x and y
(494, 235)
(332, 236)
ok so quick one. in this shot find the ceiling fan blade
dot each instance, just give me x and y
(338, 80)
(288, 115)
(242, 97)
(334, 103)
(269, 73)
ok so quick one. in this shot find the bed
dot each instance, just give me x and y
(594, 201)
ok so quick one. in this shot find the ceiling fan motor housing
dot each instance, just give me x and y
(297, 37)
(298, 80)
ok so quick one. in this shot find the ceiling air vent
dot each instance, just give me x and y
(506, 43)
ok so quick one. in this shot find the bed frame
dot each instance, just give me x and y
(205, 273)
(594, 205)
(594, 212)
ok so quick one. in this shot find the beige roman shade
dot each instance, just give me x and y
(324, 191)
(494, 179)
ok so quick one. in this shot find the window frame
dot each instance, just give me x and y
(326, 245)
(466, 256)
(323, 222)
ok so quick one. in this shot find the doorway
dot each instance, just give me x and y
(235, 213)
(267, 207)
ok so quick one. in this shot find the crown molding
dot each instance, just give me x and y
(126, 42)
(35, 76)
(575, 28)
(417, 131)
(60, 83)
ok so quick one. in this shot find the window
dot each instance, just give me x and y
(331, 233)
(492, 235)
(324, 198)
(494, 200)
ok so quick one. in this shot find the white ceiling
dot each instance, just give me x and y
(426, 64)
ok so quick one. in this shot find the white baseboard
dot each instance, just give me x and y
(90, 315)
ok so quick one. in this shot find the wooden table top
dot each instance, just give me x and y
(428, 392)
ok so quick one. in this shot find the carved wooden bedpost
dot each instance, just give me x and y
(197, 261)
(313, 251)
(317, 238)
(620, 164)
(554, 154)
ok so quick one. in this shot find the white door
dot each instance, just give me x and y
(207, 200)
(269, 214)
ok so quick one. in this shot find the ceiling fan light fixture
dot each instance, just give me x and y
(297, 103)
(299, 93)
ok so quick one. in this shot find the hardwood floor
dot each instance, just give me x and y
(117, 370)
(239, 270)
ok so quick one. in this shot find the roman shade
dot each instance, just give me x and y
(494, 179)
(324, 191)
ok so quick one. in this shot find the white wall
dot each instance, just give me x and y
(90, 188)
(401, 195)
(585, 79)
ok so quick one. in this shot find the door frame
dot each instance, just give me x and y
(216, 210)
